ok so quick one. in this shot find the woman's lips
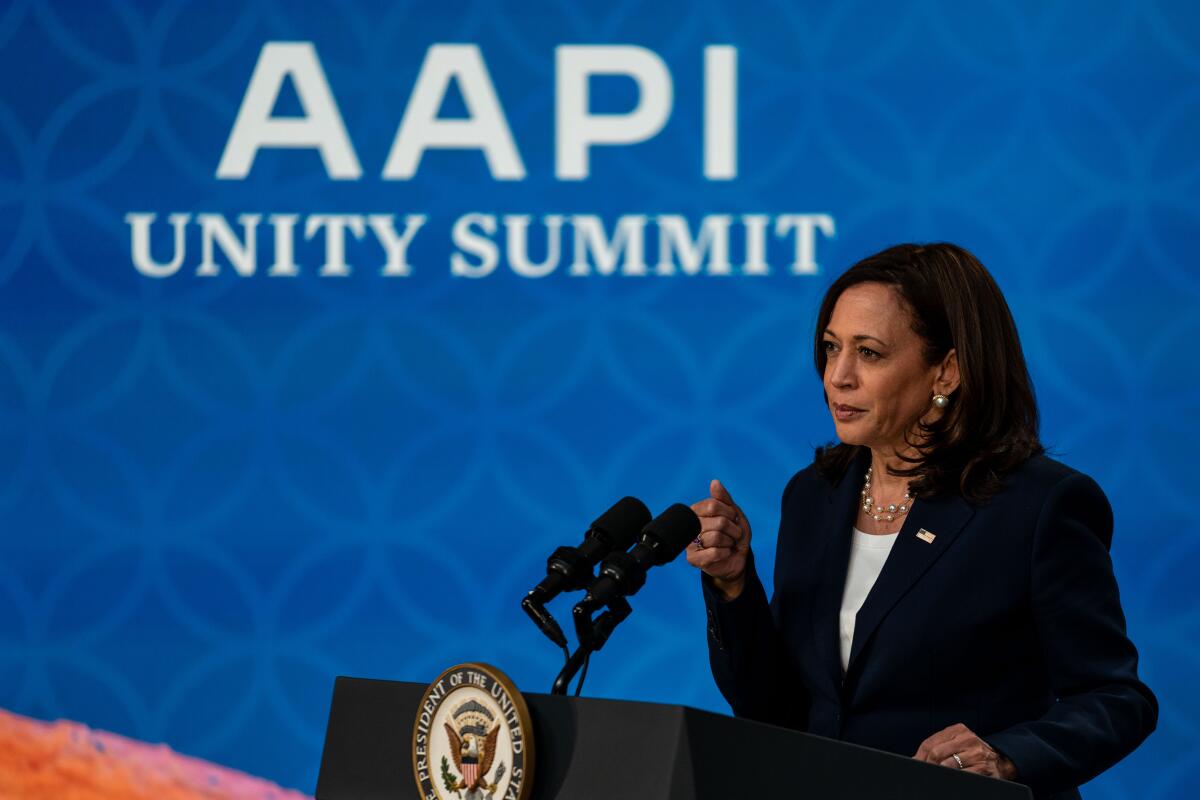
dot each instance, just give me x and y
(841, 412)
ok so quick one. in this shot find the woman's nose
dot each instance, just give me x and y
(841, 372)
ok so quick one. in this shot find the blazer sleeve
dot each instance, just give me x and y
(746, 651)
(1103, 711)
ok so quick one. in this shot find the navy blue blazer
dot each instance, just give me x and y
(1009, 622)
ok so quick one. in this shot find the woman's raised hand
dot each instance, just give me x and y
(723, 546)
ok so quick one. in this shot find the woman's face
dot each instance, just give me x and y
(876, 378)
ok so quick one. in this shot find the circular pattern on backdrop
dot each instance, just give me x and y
(237, 437)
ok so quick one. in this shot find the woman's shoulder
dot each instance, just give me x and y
(1042, 475)
(1045, 493)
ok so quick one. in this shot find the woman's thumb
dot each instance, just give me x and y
(718, 491)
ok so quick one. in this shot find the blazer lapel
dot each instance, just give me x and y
(939, 521)
(844, 499)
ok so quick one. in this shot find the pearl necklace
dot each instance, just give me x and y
(892, 511)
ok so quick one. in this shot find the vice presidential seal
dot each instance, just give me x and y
(472, 739)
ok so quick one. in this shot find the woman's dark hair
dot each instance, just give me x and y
(991, 423)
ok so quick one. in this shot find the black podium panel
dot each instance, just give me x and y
(586, 748)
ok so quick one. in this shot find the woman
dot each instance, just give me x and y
(942, 588)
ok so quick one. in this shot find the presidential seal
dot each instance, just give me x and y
(472, 739)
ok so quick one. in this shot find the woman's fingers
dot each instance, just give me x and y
(718, 490)
(721, 563)
(723, 544)
(716, 538)
(718, 515)
(723, 526)
(709, 556)
(973, 754)
(713, 560)
(720, 494)
(934, 749)
(975, 758)
(712, 507)
(944, 751)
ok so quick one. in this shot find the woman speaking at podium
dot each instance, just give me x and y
(942, 588)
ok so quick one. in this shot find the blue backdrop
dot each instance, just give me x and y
(219, 492)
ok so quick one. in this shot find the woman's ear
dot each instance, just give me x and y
(947, 378)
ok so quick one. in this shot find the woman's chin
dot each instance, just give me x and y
(847, 431)
(847, 434)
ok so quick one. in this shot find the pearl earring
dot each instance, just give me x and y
(941, 401)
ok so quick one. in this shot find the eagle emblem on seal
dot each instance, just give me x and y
(473, 747)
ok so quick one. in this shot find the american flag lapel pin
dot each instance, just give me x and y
(925, 536)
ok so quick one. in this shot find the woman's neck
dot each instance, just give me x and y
(883, 483)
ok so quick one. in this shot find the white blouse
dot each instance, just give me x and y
(868, 552)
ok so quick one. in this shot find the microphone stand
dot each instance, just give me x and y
(592, 636)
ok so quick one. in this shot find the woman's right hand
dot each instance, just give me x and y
(724, 545)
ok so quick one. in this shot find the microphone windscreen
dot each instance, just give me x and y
(673, 529)
(621, 524)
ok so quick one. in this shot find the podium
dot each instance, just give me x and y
(588, 748)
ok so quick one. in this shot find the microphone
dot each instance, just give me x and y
(623, 574)
(570, 568)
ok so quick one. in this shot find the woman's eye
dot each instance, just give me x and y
(828, 346)
(868, 353)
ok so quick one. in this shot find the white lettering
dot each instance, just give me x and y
(484, 129)
(321, 126)
(477, 244)
(242, 254)
(577, 129)
(805, 262)
(627, 241)
(674, 238)
(285, 233)
(516, 228)
(395, 245)
(335, 226)
(720, 113)
(756, 244)
(139, 246)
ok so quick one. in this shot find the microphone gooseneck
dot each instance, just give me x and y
(570, 568)
(622, 574)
